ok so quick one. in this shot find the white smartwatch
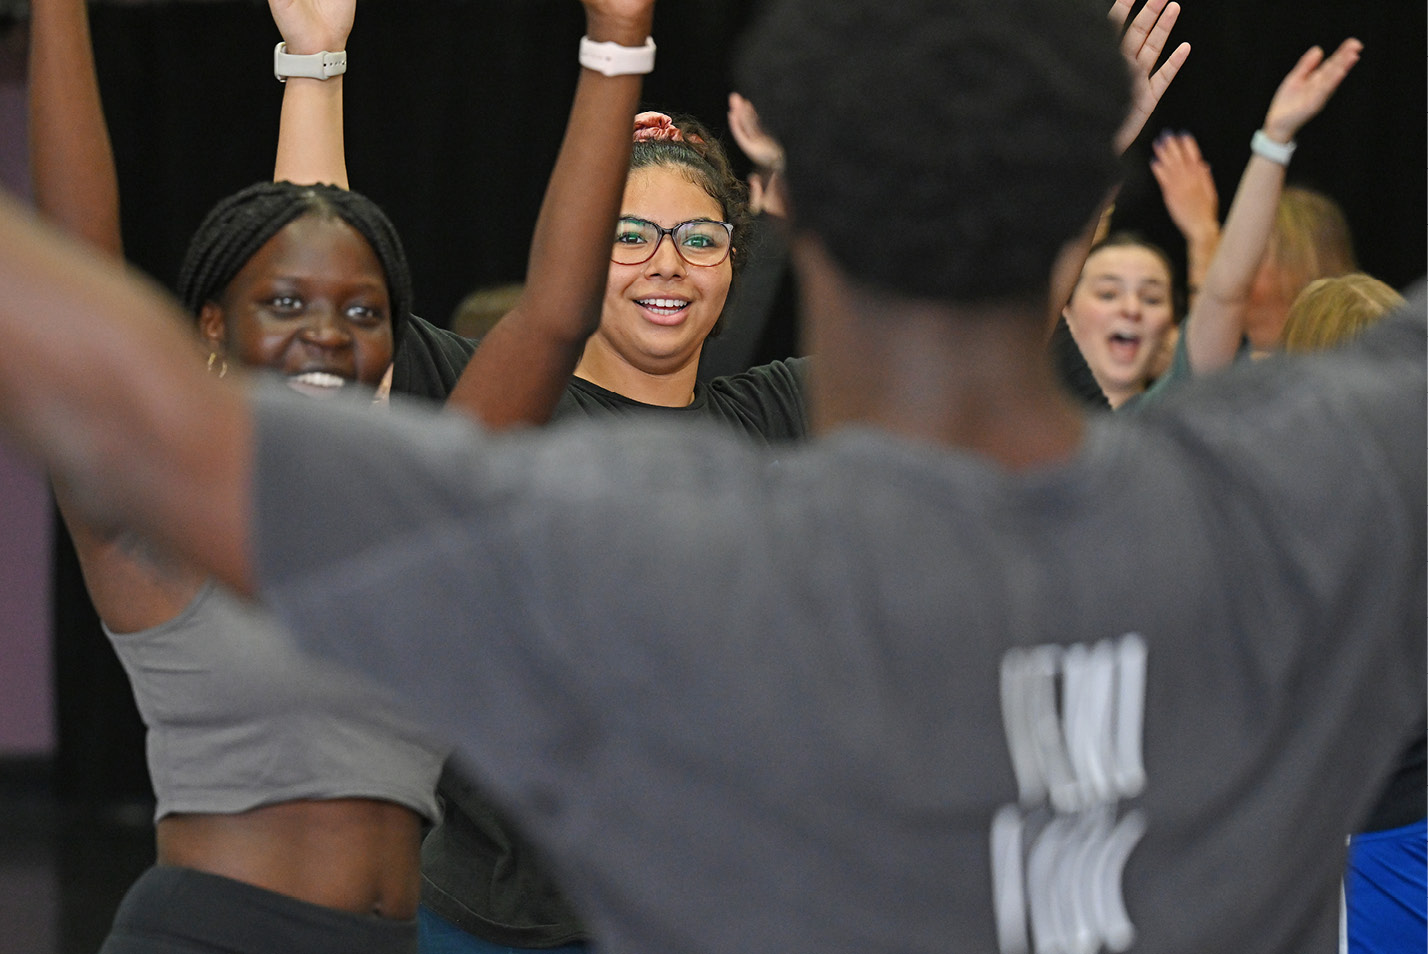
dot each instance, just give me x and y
(612, 59)
(1262, 145)
(312, 65)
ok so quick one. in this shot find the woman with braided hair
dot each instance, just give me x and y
(291, 797)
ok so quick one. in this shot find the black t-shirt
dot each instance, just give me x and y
(429, 360)
(766, 403)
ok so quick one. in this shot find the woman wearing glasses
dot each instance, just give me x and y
(676, 249)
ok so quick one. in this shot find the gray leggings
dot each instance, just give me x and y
(182, 911)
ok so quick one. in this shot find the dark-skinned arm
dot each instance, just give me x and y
(520, 370)
(71, 160)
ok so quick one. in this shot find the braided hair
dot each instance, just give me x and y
(698, 155)
(239, 225)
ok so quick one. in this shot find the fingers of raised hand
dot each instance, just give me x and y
(1146, 35)
(1120, 10)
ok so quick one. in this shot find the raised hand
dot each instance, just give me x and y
(1141, 44)
(1307, 88)
(765, 191)
(1186, 184)
(313, 26)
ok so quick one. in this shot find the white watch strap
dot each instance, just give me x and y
(312, 65)
(1262, 145)
(612, 59)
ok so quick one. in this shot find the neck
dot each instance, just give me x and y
(976, 377)
(601, 364)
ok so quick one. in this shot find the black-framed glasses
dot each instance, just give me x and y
(699, 241)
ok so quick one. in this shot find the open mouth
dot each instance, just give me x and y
(1124, 347)
(664, 311)
(317, 383)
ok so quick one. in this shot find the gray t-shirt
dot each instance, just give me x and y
(877, 696)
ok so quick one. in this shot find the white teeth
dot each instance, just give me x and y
(675, 303)
(318, 379)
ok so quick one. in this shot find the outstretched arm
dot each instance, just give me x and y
(521, 368)
(71, 161)
(1216, 324)
(153, 443)
(1142, 43)
(310, 134)
(1191, 199)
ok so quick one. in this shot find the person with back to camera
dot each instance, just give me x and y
(290, 798)
(674, 258)
(908, 689)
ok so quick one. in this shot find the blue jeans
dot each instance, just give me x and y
(440, 936)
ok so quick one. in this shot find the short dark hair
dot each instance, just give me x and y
(941, 149)
(234, 229)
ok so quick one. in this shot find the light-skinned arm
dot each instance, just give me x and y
(310, 133)
(1141, 44)
(1188, 190)
(1215, 326)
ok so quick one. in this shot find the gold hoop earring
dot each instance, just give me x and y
(222, 367)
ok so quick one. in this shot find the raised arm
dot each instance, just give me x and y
(310, 134)
(103, 383)
(1142, 43)
(71, 161)
(767, 191)
(1215, 325)
(520, 370)
(1191, 199)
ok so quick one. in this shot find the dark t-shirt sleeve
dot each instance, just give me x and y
(768, 401)
(429, 360)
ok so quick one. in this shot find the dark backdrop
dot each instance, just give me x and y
(455, 109)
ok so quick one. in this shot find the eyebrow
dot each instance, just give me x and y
(698, 218)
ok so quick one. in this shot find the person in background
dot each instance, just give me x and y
(1122, 312)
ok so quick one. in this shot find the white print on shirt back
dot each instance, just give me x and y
(1073, 718)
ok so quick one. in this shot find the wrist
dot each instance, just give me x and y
(322, 65)
(616, 59)
(1267, 146)
(626, 31)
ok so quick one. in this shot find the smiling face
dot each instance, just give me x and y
(311, 303)
(657, 314)
(1119, 315)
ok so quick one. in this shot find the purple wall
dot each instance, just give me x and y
(26, 704)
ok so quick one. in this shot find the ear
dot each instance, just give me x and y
(212, 326)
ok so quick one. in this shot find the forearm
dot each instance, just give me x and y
(1216, 323)
(101, 384)
(1199, 252)
(311, 147)
(1066, 271)
(523, 365)
(71, 160)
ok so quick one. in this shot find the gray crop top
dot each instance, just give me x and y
(237, 718)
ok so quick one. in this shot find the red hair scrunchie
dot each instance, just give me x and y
(652, 125)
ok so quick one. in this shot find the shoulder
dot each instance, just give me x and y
(767, 401)
(429, 360)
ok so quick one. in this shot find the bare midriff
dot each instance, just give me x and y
(351, 854)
